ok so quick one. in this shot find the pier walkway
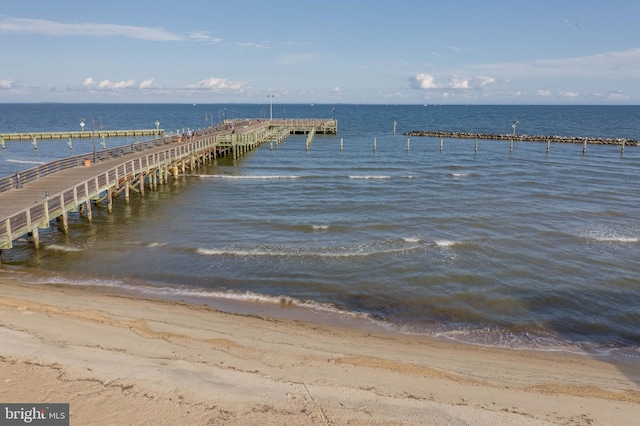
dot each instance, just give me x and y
(32, 199)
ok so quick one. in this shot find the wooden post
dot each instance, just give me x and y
(36, 238)
(126, 192)
(109, 201)
(153, 176)
(142, 184)
(88, 209)
(63, 217)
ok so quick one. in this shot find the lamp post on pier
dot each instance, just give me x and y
(270, 96)
(209, 116)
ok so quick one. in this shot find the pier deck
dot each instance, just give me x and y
(30, 200)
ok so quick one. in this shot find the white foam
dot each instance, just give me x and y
(411, 239)
(609, 237)
(58, 247)
(200, 293)
(151, 245)
(445, 243)
(356, 250)
(251, 176)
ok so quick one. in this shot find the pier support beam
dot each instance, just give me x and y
(88, 209)
(35, 235)
(63, 222)
(109, 201)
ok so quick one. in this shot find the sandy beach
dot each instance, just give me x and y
(122, 360)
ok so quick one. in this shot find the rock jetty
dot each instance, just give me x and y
(523, 138)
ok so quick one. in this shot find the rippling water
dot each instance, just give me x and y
(517, 249)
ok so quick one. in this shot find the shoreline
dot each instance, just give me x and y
(290, 308)
(121, 359)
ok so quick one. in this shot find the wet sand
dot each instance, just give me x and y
(122, 360)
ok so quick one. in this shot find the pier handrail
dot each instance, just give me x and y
(121, 166)
(21, 221)
(20, 178)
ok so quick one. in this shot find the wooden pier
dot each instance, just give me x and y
(80, 135)
(32, 199)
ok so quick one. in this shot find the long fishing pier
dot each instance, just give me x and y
(32, 199)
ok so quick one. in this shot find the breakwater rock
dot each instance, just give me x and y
(523, 138)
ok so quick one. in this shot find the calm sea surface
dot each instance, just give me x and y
(514, 249)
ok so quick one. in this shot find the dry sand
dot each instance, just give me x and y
(121, 360)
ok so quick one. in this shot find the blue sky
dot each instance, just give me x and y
(345, 51)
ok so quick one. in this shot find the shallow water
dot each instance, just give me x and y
(515, 249)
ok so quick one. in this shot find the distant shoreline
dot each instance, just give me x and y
(523, 138)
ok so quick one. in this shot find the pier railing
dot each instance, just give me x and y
(133, 165)
(40, 214)
(17, 180)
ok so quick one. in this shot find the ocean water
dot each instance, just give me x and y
(518, 249)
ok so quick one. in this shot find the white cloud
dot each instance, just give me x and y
(427, 82)
(204, 37)
(422, 81)
(148, 84)
(108, 85)
(218, 84)
(617, 96)
(569, 94)
(6, 84)
(60, 29)
(118, 85)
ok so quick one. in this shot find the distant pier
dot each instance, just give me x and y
(524, 138)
